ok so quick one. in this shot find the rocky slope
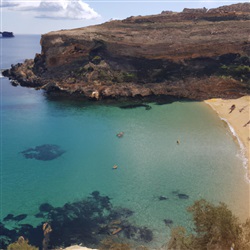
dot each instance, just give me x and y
(196, 54)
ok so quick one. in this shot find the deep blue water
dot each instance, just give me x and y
(150, 163)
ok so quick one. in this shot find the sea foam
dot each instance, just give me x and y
(242, 153)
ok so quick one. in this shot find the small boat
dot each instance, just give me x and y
(120, 134)
(115, 167)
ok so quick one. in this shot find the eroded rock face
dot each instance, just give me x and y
(196, 54)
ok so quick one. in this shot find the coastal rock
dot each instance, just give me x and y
(7, 34)
(196, 54)
(183, 196)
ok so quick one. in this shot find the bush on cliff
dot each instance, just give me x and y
(21, 244)
(111, 244)
(237, 71)
(215, 228)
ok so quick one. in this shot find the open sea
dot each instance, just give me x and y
(156, 179)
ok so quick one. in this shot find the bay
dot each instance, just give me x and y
(206, 163)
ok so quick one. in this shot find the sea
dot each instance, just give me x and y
(57, 150)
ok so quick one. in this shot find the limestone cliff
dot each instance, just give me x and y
(197, 54)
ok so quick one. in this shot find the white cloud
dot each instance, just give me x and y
(54, 9)
(7, 4)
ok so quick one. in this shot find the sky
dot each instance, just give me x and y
(42, 16)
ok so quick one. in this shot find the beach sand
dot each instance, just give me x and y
(236, 112)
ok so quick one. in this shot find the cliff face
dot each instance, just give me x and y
(197, 54)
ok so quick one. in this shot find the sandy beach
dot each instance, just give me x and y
(236, 112)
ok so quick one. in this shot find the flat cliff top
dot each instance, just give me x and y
(175, 36)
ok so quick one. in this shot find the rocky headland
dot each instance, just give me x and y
(196, 54)
(7, 34)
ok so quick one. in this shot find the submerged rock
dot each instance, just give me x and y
(44, 152)
(20, 217)
(138, 233)
(162, 198)
(95, 194)
(132, 106)
(8, 217)
(183, 196)
(45, 207)
(40, 215)
(168, 222)
(87, 221)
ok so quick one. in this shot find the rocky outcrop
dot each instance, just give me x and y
(7, 34)
(194, 54)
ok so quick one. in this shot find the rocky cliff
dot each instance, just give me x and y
(197, 54)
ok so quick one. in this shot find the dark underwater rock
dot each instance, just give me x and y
(89, 220)
(45, 207)
(146, 234)
(9, 217)
(120, 212)
(162, 198)
(95, 194)
(26, 227)
(132, 106)
(168, 222)
(4, 241)
(20, 217)
(44, 152)
(40, 215)
(138, 233)
(183, 196)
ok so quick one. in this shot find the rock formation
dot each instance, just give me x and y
(196, 54)
(7, 34)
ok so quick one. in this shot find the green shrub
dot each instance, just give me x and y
(96, 60)
(215, 227)
(235, 70)
(21, 244)
(129, 77)
(104, 75)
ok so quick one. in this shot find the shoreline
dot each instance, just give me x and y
(236, 113)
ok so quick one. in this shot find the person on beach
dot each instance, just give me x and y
(232, 108)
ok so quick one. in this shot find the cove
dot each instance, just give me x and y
(156, 178)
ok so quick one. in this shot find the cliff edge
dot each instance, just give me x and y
(197, 54)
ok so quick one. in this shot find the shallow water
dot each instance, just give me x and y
(150, 162)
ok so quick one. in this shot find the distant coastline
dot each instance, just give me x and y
(7, 34)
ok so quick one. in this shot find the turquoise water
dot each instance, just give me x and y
(150, 163)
